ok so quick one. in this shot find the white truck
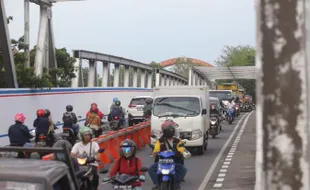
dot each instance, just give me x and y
(188, 106)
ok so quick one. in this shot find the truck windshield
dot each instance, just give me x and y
(178, 106)
(221, 95)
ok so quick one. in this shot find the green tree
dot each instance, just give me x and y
(155, 65)
(182, 66)
(239, 56)
(26, 77)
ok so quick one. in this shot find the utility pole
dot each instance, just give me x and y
(283, 93)
(26, 33)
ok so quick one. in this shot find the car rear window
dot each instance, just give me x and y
(138, 101)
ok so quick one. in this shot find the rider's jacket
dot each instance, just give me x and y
(147, 110)
(230, 104)
(19, 134)
(161, 145)
(93, 119)
(121, 110)
(129, 167)
(42, 125)
(99, 113)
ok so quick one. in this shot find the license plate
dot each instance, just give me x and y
(41, 143)
(139, 109)
(122, 187)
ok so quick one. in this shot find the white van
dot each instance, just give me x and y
(188, 106)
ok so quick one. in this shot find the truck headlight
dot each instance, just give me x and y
(196, 134)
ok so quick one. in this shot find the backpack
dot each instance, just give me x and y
(116, 111)
(67, 119)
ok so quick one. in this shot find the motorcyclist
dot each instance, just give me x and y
(98, 111)
(70, 120)
(128, 163)
(119, 112)
(93, 119)
(168, 142)
(90, 149)
(19, 133)
(115, 99)
(147, 109)
(231, 104)
(42, 125)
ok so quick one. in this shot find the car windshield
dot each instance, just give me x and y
(138, 101)
(177, 106)
(9, 185)
(221, 95)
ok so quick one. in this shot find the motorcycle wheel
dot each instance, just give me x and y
(165, 186)
(230, 120)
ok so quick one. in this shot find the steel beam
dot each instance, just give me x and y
(171, 74)
(6, 51)
(110, 58)
(236, 72)
(83, 54)
(283, 92)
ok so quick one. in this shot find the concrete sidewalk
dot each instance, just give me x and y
(240, 174)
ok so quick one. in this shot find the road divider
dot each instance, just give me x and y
(139, 133)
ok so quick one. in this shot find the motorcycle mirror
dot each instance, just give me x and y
(144, 169)
(151, 146)
(80, 117)
(104, 171)
(153, 136)
(101, 150)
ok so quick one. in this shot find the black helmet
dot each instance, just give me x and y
(47, 113)
(117, 103)
(149, 101)
(128, 149)
(69, 108)
(168, 128)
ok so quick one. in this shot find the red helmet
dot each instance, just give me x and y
(94, 109)
(20, 117)
(94, 104)
(40, 113)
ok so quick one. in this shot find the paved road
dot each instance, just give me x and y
(198, 166)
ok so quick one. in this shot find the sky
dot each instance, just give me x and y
(144, 30)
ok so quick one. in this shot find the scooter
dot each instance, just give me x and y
(215, 127)
(84, 175)
(230, 113)
(125, 182)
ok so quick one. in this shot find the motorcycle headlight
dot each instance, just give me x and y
(81, 161)
(196, 134)
(165, 171)
(213, 122)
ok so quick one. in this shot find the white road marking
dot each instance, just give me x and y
(219, 156)
(221, 176)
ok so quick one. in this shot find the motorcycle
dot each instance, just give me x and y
(85, 175)
(215, 127)
(42, 141)
(125, 181)
(230, 113)
(237, 110)
(69, 135)
(115, 124)
(166, 170)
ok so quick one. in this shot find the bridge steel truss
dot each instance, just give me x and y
(6, 50)
(234, 72)
(163, 77)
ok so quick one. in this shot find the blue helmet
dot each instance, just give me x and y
(115, 99)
